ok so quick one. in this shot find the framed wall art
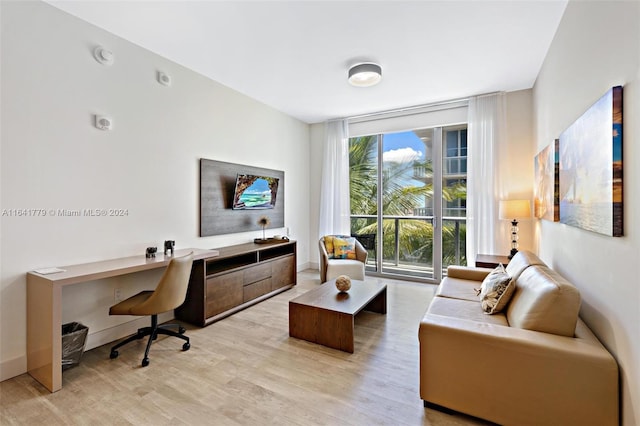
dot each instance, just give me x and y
(591, 168)
(547, 182)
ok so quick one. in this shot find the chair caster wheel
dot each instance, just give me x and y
(186, 346)
(145, 362)
(113, 354)
(181, 330)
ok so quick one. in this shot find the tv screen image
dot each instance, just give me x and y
(255, 192)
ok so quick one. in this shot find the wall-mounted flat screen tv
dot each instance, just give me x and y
(255, 192)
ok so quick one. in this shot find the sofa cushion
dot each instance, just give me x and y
(544, 301)
(464, 309)
(521, 261)
(457, 288)
(496, 290)
(352, 268)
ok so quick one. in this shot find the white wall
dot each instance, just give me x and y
(54, 158)
(597, 46)
(518, 169)
(317, 140)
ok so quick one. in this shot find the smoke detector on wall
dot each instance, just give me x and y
(164, 79)
(103, 56)
(103, 123)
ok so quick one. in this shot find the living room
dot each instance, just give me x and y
(53, 157)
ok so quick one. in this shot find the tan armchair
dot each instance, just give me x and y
(169, 294)
(332, 268)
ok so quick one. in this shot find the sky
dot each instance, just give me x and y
(403, 146)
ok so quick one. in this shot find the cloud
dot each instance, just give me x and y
(402, 155)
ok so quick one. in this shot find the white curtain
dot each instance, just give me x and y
(485, 157)
(334, 191)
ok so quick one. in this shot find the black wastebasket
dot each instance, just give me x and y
(74, 337)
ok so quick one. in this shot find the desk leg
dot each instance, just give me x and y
(44, 332)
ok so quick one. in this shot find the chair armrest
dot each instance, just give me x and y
(324, 258)
(361, 252)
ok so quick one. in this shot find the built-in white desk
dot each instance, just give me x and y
(44, 306)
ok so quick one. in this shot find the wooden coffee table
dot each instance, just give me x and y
(326, 316)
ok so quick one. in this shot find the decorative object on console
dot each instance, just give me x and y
(264, 221)
(169, 245)
(343, 283)
(151, 252)
(514, 210)
(547, 183)
(591, 168)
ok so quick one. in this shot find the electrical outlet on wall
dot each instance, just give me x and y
(117, 295)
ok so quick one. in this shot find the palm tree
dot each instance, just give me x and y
(399, 198)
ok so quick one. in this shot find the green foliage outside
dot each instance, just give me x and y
(399, 199)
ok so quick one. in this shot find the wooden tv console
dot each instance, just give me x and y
(239, 277)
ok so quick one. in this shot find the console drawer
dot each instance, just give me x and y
(257, 273)
(224, 292)
(254, 290)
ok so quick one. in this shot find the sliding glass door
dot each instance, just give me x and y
(398, 195)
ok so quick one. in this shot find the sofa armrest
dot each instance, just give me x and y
(515, 376)
(468, 272)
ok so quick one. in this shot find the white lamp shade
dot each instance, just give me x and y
(515, 209)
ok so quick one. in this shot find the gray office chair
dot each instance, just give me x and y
(169, 294)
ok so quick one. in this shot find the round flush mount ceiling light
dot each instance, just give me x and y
(365, 74)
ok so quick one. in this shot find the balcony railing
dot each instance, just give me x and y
(408, 254)
(455, 166)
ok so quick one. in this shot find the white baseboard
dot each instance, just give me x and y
(304, 266)
(13, 367)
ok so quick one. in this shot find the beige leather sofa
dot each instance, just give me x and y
(535, 363)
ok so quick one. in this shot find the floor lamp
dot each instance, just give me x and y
(513, 210)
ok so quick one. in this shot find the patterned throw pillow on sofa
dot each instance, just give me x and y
(328, 245)
(341, 246)
(496, 291)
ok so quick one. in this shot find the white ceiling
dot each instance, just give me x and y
(294, 55)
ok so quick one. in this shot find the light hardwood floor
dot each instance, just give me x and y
(246, 370)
